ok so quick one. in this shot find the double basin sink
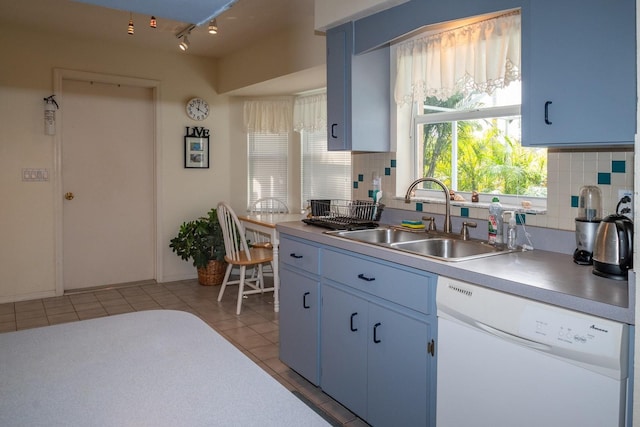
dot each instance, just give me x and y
(443, 246)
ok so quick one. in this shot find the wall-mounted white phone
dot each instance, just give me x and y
(50, 107)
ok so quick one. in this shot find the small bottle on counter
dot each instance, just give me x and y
(512, 232)
(496, 226)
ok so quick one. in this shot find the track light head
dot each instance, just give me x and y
(184, 44)
(213, 27)
(130, 28)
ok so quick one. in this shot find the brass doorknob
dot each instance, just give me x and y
(68, 196)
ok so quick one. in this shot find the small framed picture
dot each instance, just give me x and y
(196, 152)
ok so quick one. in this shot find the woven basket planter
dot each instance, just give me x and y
(212, 274)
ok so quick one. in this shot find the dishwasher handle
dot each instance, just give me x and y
(510, 337)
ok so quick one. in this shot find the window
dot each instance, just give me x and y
(325, 174)
(472, 143)
(267, 158)
(461, 89)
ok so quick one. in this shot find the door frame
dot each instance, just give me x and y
(60, 74)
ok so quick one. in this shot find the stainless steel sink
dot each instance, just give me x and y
(442, 246)
(450, 249)
(380, 235)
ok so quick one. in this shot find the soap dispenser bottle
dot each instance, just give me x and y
(512, 232)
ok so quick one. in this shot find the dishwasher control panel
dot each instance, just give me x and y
(569, 331)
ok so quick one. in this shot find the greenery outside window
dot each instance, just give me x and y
(472, 143)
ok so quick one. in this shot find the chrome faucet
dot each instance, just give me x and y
(447, 216)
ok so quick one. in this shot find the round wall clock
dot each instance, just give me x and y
(197, 109)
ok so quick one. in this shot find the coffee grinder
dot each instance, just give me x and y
(587, 222)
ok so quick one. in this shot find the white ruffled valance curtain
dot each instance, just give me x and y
(268, 116)
(310, 113)
(477, 57)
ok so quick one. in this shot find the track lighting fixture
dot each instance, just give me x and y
(153, 23)
(213, 26)
(130, 29)
(184, 44)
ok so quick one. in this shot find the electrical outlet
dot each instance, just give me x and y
(625, 207)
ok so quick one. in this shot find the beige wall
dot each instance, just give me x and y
(27, 217)
(27, 225)
(280, 54)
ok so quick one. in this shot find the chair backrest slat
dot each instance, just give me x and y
(235, 241)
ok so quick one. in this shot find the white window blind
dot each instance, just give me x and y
(267, 158)
(325, 174)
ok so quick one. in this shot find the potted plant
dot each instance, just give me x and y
(202, 241)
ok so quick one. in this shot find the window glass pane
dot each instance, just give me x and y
(267, 158)
(482, 155)
(325, 174)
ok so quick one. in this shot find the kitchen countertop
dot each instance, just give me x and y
(543, 276)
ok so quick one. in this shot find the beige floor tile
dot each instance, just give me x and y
(265, 352)
(29, 305)
(8, 326)
(89, 305)
(25, 315)
(54, 319)
(35, 322)
(119, 309)
(92, 313)
(83, 298)
(9, 317)
(7, 308)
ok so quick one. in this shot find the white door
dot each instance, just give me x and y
(108, 184)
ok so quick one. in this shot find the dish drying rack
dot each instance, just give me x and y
(338, 214)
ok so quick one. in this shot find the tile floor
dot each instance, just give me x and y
(254, 331)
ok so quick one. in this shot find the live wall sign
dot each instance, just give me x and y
(196, 148)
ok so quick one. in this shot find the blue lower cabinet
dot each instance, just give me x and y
(374, 359)
(298, 319)
(361, 328)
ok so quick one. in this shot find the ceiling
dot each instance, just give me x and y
(243, 24)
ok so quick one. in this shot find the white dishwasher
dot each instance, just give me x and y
(506, 361)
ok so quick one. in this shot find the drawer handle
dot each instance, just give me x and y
(546, 112)
(333, 127)
(293, 255)
(304, 300)
(352, 316)
(365, 278)
(375, 333)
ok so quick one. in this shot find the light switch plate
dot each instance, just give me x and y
(35, 174)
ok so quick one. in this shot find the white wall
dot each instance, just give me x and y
(27, 258)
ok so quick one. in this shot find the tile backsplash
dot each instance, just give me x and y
(567, 172)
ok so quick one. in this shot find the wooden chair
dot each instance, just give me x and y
(265, 205)
(269, 205)
(239, 254)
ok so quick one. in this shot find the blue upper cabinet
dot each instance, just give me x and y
(357, 94)
(579, 72)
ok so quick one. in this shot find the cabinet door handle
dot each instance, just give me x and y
(351, 325)
(293, 255)
(365, 278)
(333, 127)
(375, 332)
(431, 348)
(546, 112)
(304, 300)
